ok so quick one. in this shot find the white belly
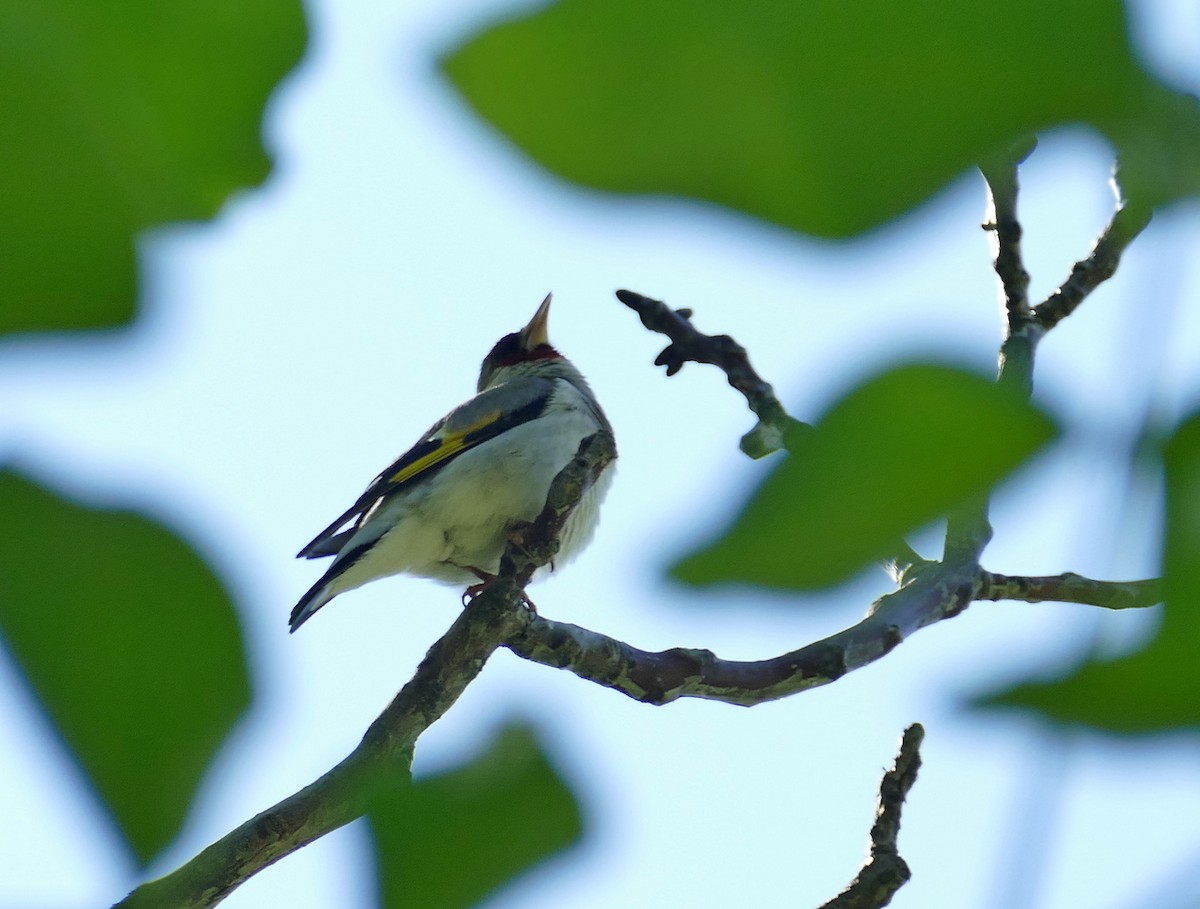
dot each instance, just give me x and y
(459, 519)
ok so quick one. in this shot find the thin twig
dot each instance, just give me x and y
(1008, 261)
(775, 429)
(1072, 588)
(968, 528)
(1022, 330)
(1101, 264)
(885, 871)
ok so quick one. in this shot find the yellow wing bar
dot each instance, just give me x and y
(445, 447)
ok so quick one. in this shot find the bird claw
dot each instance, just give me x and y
(473, 591)
(485, 581)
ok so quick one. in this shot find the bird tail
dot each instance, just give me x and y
(325, 545)
(318, 595)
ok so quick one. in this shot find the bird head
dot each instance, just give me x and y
(520, 352)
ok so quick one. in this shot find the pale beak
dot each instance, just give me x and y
(535, 333)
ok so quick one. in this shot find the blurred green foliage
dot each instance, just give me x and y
(130, 645)
(833, 118)
(119, 116)
(897, 451)
(449, 840)
(1154, 689)
(827, 117)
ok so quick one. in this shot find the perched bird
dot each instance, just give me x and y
(444, 508)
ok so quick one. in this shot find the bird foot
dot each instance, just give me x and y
(475, 590)
(486, 579)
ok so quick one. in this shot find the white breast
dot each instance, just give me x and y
(459, 518)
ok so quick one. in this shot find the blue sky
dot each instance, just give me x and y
(295, 345)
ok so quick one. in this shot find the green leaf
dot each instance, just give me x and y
(118, 116)
(130, 645)
(1181, 552)
(447, 841)
(1155, 689)
(895, 453)
(1159, 148)
(824, 116)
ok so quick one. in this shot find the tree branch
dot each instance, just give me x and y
(885, 871)
(1100, 265)
(938, 591)
(342, 795)
(930, 591)
(1072, 588)
(1005, 228)
(968, 528)
(1022, 330)
(663, 677)
(775, 429)
(500, 616)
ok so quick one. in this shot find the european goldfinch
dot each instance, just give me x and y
(443, 510)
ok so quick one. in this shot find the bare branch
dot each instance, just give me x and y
(932, 590)
(1022, 331)
(666, 676)
(936, 591)
(385, 752)
(1087, 274)
(537, 544)
(342, 794)
(968, 528)
(1100, 265)
(1072, 588)
(1006, 232)
(775, 429)
(885, 871)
